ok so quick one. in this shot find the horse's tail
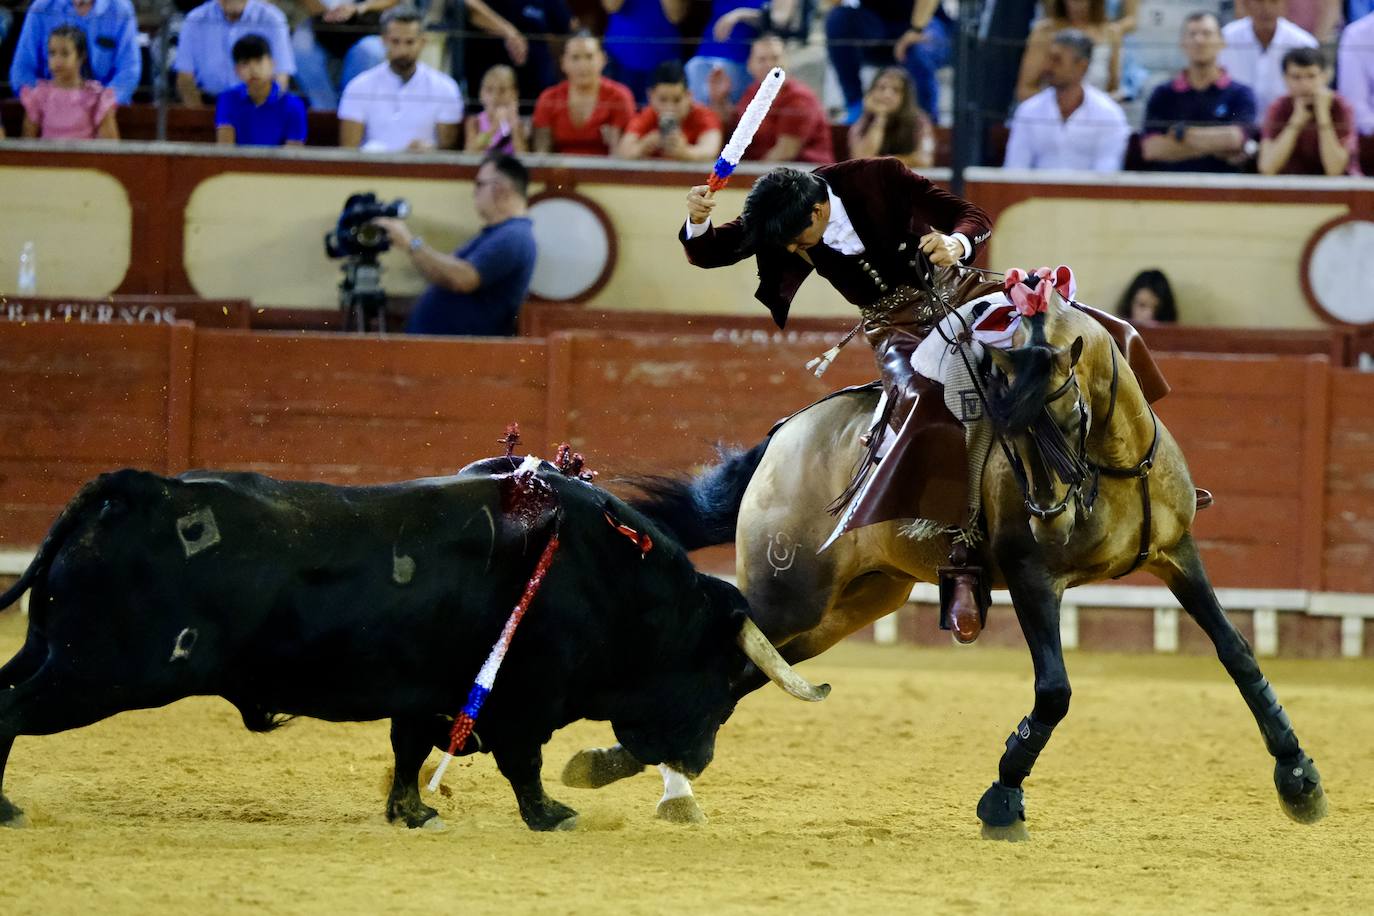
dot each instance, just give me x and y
(700, 511)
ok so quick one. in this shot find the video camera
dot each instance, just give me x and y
(356, 236)
(358, 240)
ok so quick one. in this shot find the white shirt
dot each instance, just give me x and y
(1260, 68)
(839, 232)
(1092, 139)
(393, 113)
(1355, 66)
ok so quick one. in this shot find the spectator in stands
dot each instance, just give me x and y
(258, 112)
(498, 127)
(205, 52)
(68, 106)
(1355, 71)
(1199, 122)
(112, 46)
(892, 124)
(338, 36)
(732, 26)
(477, 290)
(1311, 130)
(587, 112)
(1068, 125)
(1255, 47)
(795, 129)
(914, 33)
(1148, 300)
(640, 35)
(515, 33)
(403, 104)
(673, 125)
(1088, 17)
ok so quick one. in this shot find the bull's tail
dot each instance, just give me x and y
(701, 511)
(57, 534)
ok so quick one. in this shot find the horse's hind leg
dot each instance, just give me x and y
(1296, 778)
(1036, 598)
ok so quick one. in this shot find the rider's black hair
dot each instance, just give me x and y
(779, 207)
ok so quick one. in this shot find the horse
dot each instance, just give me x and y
(1083, 483)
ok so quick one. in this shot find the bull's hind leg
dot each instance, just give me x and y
(595, 767)
(1036, 599)
(1296, 778)
(411, 741)
(520, 764)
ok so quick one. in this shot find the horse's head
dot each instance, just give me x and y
(1039, 410)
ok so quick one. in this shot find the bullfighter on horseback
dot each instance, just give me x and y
(890, 242)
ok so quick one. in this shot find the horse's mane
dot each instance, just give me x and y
(1013, 405)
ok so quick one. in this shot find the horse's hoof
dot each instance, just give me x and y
(1016, 833)
(681, 810)
(1003, 813)
(599, 766)
(1300, 789)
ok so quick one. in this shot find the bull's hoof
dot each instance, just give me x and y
(681, 810)
(1003, 813)
(1300, 789)
(600, 766)
(11, 815)
(435, 824)
(414, 816)
(551, 815)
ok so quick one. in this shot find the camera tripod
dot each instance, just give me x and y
(361, 297)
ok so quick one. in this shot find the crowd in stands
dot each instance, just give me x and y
(1286, 86)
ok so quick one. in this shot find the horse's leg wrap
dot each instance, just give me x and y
(1024, 745)
(1273, 722)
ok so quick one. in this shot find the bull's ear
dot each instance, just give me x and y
(1001, 359)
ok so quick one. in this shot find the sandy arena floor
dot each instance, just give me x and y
(1154, 797)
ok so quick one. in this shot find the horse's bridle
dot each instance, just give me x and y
(1083, 469)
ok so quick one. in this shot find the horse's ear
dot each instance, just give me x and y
(1066, 359)
(1001, 359)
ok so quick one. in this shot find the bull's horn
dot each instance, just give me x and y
(762, 653)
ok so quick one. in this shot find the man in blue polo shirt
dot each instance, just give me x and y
(1200, 121)
(111, 29)
(477, 290)
(257, 112)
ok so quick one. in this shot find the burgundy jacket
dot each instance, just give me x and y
(887, 203)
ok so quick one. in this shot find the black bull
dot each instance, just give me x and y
(363, 603)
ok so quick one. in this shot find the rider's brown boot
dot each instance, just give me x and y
(962, 613)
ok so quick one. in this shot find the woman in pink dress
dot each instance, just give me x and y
(68, 107)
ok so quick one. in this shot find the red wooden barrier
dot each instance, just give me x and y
(1284, 443)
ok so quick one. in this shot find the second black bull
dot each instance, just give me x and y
(362, 603)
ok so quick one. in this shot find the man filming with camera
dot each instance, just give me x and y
(672, 125)
(477, 290)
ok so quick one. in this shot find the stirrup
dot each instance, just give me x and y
(1203, 497)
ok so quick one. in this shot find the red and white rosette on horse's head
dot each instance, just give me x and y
(1025, 294)
(748, 125)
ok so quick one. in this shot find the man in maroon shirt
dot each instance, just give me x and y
(1311, 130)
(795, 129)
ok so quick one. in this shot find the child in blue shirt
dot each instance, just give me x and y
(257, 112)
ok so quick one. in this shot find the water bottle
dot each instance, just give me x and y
(28, 270)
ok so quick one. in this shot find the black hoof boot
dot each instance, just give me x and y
(1300, 789)
(11, 815)
(1003, 813)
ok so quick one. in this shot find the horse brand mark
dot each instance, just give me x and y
(197, 531)
(970, 406)
(782, 552)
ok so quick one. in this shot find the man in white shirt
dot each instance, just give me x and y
(1069, 124)
(1355, 71)
(402, 104)
(1255, 47)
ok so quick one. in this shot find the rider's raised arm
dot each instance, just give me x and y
(707, 245)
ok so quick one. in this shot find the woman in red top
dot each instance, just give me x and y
(672, 125)
(586, 113)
